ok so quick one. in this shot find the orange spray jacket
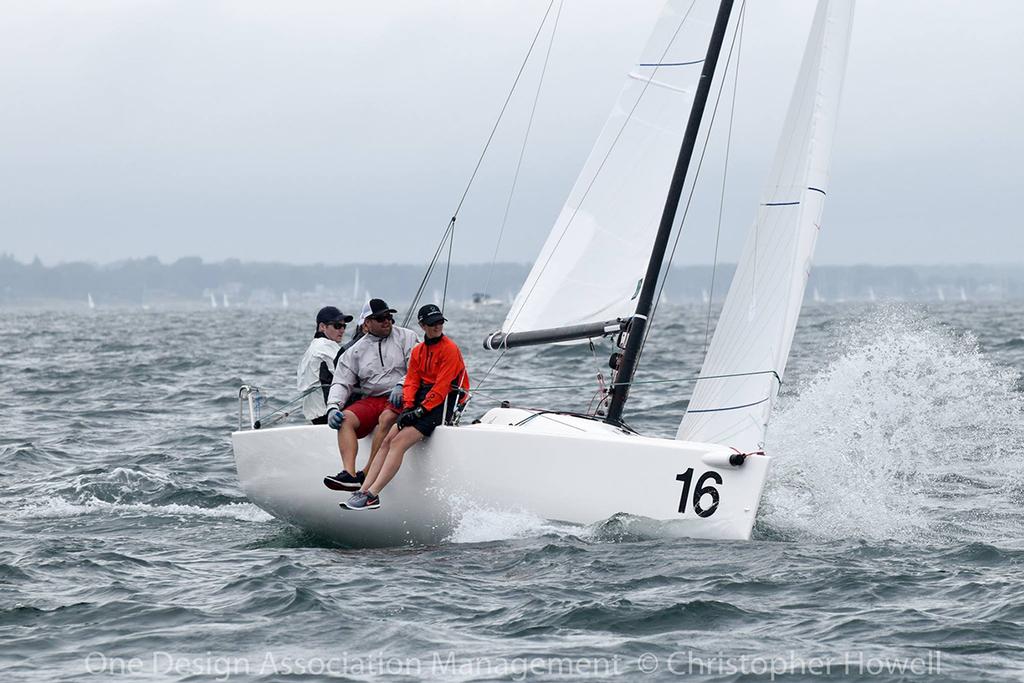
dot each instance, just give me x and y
(438, 363)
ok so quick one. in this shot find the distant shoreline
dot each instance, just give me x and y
(191, 282)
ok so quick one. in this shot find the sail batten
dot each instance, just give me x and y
(759, 316)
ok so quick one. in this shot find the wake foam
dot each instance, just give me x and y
(477, 523)
(60, 508)
(908, 430)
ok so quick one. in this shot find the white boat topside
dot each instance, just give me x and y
(555, 466)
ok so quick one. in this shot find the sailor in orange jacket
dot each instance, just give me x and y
(435, 383)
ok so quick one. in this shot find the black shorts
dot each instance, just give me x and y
(429, 422)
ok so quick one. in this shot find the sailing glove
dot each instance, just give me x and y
(395, 397)
(334, 418)
(409, 416)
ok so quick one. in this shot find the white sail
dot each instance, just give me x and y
(759, 317)
(591, 267)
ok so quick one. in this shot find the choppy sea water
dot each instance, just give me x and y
(890, 544)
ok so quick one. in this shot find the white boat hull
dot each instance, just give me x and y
(556, 467)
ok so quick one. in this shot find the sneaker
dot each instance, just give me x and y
(361, 500)
(343, 481)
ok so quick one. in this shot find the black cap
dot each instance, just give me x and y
(378, 307)
(430, 315)
(330, 314)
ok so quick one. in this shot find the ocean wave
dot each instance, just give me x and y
(60, 508)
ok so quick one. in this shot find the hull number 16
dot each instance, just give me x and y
(702, 491)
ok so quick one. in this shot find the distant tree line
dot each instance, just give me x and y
(191, 280)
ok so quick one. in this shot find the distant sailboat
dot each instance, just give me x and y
(355, 287)
(213, 301)
(817, 297)
(284, 300)
(871, 294)
(704, 296)
(939, 292)
(963, 294)
(224, 299)
(92, 304)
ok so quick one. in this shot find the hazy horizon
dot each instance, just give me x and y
(265, 132)
(231, 259)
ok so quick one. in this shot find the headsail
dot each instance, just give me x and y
(755, 330)
(593, 262)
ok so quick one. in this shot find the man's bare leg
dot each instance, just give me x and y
(374, 468)
(384, 424)
(348, 444)
(392, 459)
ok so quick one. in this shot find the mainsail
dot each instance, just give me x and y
(754, 333)
(593, 262)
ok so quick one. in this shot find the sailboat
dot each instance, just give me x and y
(284, 299)
(213, 301)
(89, 302)
(597, 276)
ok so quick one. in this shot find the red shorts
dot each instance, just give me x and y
(368, 411)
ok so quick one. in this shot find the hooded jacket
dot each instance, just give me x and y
(374, 364)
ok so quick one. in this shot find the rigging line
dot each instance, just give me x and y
(671, 380)
(490, 369)
(689, 198)
(604, 160)
(522, 151)
(430, 271)
(448, 266)
(479, 161)
(508, 98)
(725, 175)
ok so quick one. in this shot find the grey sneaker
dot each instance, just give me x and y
(361, 500)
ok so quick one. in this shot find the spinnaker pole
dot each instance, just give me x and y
(644, 305)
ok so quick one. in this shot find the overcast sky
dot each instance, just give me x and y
(340, 131)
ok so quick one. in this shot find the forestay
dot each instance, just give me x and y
(755, 330)
(594, 260)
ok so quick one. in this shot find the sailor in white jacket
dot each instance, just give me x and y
(376, 364)
(316, 369)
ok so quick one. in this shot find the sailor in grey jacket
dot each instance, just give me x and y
(374, 364)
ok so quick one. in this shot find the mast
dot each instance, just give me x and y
(638, 324)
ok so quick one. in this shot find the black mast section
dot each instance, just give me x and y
(644, 305)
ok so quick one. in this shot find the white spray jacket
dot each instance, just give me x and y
(315, 369)
(374, 364)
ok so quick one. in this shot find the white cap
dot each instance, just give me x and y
(365, 313)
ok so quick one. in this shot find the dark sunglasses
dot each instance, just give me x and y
(383, 317)
(337, 326)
